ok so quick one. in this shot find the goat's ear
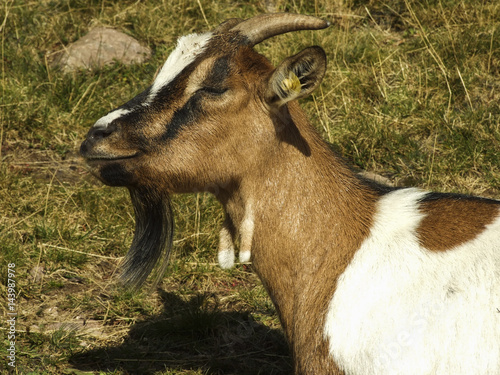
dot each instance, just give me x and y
(297, 76)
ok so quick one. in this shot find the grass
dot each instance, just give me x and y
(412, 93)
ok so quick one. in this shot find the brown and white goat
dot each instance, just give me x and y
(366, 279)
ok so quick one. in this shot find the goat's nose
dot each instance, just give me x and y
(96, 134)
(100, 132)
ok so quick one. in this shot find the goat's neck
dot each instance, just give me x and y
(302, 196)
(310, 214)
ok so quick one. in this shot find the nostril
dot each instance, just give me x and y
(100, 132)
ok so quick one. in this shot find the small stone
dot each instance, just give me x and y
(101, 46)
(271, 6)
(37, 273)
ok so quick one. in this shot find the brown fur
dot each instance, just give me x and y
(453, 220)
(297, 256)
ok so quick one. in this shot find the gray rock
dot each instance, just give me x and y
(101, 46)
(37, 273)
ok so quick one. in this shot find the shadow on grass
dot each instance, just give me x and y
(193, 335)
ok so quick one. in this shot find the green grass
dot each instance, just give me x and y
(412, 92)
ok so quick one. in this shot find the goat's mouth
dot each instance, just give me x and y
(108, 158)
(113, 170)
(93, 154)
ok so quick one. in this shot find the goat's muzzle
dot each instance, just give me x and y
(95, 135)
(113, 167)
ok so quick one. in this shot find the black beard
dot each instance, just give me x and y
(153, 237)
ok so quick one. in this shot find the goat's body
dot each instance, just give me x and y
(402, 309)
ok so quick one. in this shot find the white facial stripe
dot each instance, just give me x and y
(104, 121)
(187, 49)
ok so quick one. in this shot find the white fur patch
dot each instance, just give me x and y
(104, 121)
(187, 49)
(226, 249)
(245, 256)
(246, 233)
(226, 258)
(226, 246)
(401, 309)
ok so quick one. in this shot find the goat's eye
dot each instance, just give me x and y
(213, 90)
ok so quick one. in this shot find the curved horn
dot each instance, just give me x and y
(265, 26)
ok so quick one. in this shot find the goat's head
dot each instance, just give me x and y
(211, 110)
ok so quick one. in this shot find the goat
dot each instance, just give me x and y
(366, 279)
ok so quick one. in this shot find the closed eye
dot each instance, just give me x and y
(213, 90)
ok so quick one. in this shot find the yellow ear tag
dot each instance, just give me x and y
(291, 83)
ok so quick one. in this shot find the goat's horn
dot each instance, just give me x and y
(265, 26)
